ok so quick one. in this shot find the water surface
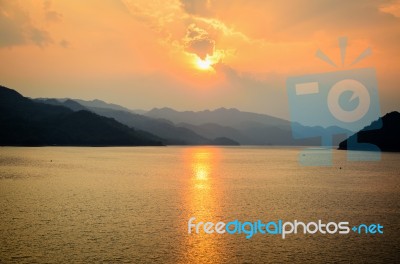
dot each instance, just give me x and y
(131, 205)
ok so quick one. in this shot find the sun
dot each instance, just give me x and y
(204, 64)
(207, 63)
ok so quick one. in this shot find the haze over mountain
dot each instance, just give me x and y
(171, 134)
(385, 138)
(101, 104)
(29, 123)
(71, 104)
(220, 126)
(217, 127)
(247, 128)
(226, 117)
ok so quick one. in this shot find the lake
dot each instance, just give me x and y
(132, 205)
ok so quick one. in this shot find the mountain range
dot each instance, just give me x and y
(25, 122)
(49, 121)
(231, 126)
(171, 134)
(247, 128)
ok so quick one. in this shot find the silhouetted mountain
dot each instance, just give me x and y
(245, 127)
(386, 138)
(26, 122)
(172, 134)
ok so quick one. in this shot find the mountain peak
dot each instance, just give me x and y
(162, 109)
(5, 91)
(393, 114)
(382, 133)
(25, 122)
(98, 101)
(223, 109)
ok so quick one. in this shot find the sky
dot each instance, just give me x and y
(192, 54)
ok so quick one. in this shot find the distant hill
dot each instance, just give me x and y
(74, 106)
(101, 104)
(245, 127)
(218, 127)
(25, 122)
(212, 130)
(223, 141)
(171, 134)
(386, 138)
(226, 117)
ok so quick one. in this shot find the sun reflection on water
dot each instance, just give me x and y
(201, 171)
(201, 199)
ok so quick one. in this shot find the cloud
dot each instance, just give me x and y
(16, 27)
(276, 36)
(197, 7)
(39, 37)
(46, 4)
(53, 16)
(198, 41)
(11, 24)
(64, 43)
(392, 8)
(157, 14)
(178, 30)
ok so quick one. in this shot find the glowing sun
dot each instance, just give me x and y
(204, 64)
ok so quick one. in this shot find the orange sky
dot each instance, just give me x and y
(191, 54)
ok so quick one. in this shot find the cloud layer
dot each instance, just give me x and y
(132, 51)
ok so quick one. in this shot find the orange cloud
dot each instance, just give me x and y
(144, 47)
(392, 8)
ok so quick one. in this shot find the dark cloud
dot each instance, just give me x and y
(64, 43)
(39, 37)
(53, 16)
(12, 24)
(16, 27)
(202, 47)
(199, 42)
(196, 7)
